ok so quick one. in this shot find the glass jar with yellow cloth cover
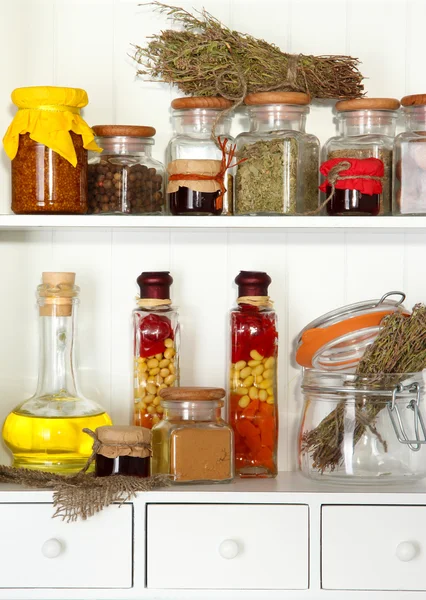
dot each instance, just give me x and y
(47, 142)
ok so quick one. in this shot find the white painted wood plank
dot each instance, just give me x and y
(132, 253)
(414, 281)
(415, 46)
(88, 254)
(84, 39)
(198, 265)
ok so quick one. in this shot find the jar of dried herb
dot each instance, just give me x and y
(192, 443)
(199, 182)
(366, 129)
(278, 174)
(125, 179)
(409, 175)
(47, 142)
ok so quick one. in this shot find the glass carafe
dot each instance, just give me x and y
(156, 346)
(45, 432)
(252, 401)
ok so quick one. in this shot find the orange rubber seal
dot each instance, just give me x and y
(314, 339)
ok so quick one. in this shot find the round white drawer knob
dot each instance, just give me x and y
(406, 551)
(229, 549)
(51, 548)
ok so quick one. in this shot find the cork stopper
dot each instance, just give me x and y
(192, 393)
(115, 440)
(56, 294)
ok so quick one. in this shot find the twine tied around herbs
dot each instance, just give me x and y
(333, 177)
(258, 301)
(152, 302)
(225, 164)
(97, 445)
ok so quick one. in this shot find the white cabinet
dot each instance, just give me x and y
(234, 546)
(374, 547)
(37, 551)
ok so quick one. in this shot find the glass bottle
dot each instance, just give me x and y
(409, 177)
(363, 429)
(192, 443)
(125, 179)
(252, 402)
(280, 173)
(45, 432)
(156, 346)
(194, 158)
(366, 129)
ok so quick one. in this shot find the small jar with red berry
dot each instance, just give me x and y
(252, 402)
(156, 346)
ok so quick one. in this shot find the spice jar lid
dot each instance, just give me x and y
(113, 441)
(253, 283)
(181, 394)
(214, 102)
(259, 98)
(414, 100)
(368, 104)
(337, 340)
(155, 284)
(124, 130)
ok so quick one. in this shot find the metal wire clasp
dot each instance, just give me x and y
(395, 417)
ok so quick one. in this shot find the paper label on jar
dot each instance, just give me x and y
(192, 168)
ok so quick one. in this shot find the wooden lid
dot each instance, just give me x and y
(124, 130)
(277, 98)
(368, 104)
(215, 102)
(55, 278)
(192, 393)
(414, 100)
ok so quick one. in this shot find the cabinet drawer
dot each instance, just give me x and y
(374, 547)
(38, 551)
(235, 546)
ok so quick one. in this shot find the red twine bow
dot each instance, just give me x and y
(362, 174)
(225, 164)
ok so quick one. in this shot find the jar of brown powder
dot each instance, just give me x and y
(192, 443)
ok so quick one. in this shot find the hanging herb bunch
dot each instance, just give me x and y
(399, 349)
(206, 58)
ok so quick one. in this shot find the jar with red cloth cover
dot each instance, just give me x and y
(252, 405)
(360, 185)
(199, 167)
(156, 346)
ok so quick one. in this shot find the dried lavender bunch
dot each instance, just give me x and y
(208, 59)
(399, 348)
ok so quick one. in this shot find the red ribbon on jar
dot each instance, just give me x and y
(362, 174)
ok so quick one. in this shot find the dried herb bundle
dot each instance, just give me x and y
(208, 59)
(399, 348)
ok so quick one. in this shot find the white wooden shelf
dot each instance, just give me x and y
(196, 222)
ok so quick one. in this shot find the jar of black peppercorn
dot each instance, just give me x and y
(122, 450)
(125, 179)
(199, 180)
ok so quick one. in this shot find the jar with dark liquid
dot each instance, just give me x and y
(366, 129)
(196, 183)
(122, 450)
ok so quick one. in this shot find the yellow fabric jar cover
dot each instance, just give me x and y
(48, 114)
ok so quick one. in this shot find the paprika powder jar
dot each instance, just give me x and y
(156, 346)
(199, 180)
(252, 404)
(47, 142)
(366, 130)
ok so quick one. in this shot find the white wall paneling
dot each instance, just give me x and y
(86, 44)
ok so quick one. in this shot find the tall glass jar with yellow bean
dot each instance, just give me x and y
(156, 346)
(252, 405)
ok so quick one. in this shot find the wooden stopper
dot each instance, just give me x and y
(260, 98)
(57, 304)
(368, 104)
(192, 393)
(214, 102)
(124, 130)
(414, 100)
(55, 278)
